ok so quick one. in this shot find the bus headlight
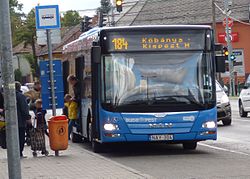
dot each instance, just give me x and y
(209, 125)
(110, 127)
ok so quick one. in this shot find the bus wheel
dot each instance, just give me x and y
(189, 145)
(97, 147)
(227, 122)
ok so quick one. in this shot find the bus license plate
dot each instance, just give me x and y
(161, 137)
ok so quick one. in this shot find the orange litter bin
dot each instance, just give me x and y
(58, 133)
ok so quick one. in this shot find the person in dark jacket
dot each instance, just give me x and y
(23, 115)
(1, 100)
(1, 105)
(2, 122)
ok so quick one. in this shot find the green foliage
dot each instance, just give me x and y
(18, 75)
(28, 29)
(27, 35)
(105, 6)
(33, 63)
(16, 20)
(71, 18)
(14, 5)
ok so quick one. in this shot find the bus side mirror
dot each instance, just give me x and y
(96, 54)
(220, 64)
(218, 47)
(220, 59)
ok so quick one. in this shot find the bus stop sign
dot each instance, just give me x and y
(47, 17)
(46, 87)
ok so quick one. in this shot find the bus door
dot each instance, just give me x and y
(96, 85)
(65, 76)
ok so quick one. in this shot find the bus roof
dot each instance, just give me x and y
(158, 27)
(77, 44)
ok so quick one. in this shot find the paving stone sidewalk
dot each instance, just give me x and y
(73, 163)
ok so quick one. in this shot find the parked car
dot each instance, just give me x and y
(223, 105)
(244, 99)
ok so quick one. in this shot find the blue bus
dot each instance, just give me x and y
(146, 83)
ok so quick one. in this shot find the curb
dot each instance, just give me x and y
(140, 174)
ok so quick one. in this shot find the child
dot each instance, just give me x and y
(67, 98)
(72, 106)
(37, 136)
(40, 116)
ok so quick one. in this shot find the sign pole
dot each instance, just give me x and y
(13, 153)
(229, 45)
(52, 85)
(112, 13)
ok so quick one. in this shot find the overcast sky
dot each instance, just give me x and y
(64, 5)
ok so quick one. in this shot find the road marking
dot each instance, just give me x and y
(242, 120)
(223, 149)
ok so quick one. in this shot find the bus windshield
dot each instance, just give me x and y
(156, 80)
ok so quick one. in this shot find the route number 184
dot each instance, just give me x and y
(120, 43)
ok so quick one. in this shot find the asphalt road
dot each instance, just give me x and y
(228, 157)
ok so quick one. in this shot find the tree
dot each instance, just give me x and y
(28, 35)
(71, 18)
(105, 6)
(29, 31)
(15, 5)
(16, 20)
(24, 30)
(18, 75)
(33, 63)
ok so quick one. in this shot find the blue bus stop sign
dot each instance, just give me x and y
(47, 17)
(58, 83)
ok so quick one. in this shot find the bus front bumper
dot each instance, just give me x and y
(116, 137)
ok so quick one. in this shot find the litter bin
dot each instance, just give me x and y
(58, 133)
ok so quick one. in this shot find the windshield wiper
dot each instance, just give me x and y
(135, 102)
(174, 99)
(193, 101)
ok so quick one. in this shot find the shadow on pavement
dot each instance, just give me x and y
(143, 149)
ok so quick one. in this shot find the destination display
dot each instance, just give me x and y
(142, 41)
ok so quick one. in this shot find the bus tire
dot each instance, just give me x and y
(227, 122)
(189, 145)
(97, 147)
(76, 138)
